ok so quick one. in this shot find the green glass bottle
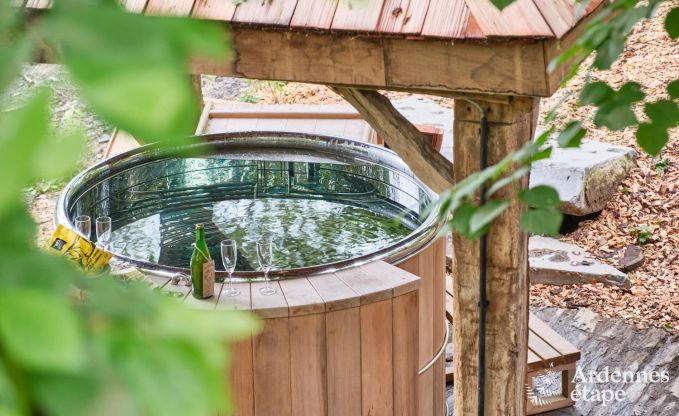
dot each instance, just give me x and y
(200, 256)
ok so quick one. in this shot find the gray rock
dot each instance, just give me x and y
(554, 262)
(585, 177)
(631, 259)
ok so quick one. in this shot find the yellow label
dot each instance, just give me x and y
(78, 249)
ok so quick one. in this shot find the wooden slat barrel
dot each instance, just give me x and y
(348, 343)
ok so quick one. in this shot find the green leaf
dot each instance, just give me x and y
(615, 117)
(461, 217)
(541, 196)
(12, 57)
(40, 330)
(673, 89)
(672, 23)
(517, 174)
(23, 132)
(595, 93)
(572, 135)
(541, 221)
(542, 154)
(652, 138)
(664, 113)
(501, 4)
(485, 214)
(609, 52)
(58, 156)
(629, 93)
(131, 68)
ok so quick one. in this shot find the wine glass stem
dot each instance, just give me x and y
(266, 279)
(230, 282)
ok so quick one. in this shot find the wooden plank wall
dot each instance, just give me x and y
(341, 344)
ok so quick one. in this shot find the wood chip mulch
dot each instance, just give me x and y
(646, 198)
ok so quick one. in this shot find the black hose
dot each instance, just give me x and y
(483, 299)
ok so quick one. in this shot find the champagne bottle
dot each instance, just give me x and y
(202, 267)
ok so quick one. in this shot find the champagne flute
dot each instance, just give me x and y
(229, 257)
(265, 258)
(103, 229)
(83, 225)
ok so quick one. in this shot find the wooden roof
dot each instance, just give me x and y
(446, 19)
(441, 47)
(443, 19)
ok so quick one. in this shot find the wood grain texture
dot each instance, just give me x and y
(405, 350)
(426, 66)
(520, 19)
(314, 14)
(404, 138)
(559, 14)
(370, 287)
(446, 19)
(403, 16)
(428, 342)
(268, 306)
(398, 279)
(357, 16)
(301, 297)
(239, 302)
(267, 12)
(308, 351)
(510, 127)
(180, 8)
(343, 343)
(214, 10)
(241, 377)
(495, 67)
(377, 394)
(335, 293)
(272, 372)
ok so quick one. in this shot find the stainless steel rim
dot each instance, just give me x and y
(271, 143)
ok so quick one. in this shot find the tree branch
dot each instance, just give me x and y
(402, 136)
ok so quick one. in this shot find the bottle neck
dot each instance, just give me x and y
(200, 234)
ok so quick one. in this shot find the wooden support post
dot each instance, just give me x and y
(402, 136)
(511, 125)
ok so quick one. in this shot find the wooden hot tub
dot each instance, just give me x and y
(358, 317)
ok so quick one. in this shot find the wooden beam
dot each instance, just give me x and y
(510, 127)
(435, 66)
(403, 137)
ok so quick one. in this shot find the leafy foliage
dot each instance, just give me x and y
(125, 349)
(605, 36)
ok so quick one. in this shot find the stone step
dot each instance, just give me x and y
(554, 262)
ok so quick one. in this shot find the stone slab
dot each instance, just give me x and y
(557, 263)
(586, 177)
